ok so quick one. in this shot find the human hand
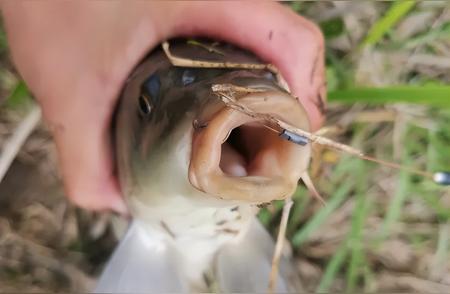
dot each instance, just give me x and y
(75, 57)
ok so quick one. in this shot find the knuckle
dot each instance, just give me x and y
(317, 37)
(313, 34)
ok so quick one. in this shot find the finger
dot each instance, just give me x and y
(82, 137)
(81, 99)
(272, 31)
(275, 33)
(52, 49)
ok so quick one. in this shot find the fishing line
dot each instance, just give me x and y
(292, 134)
(270, 128)
(399, 166)
(300, 137)
(442, 178)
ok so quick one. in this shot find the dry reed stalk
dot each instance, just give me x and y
(227, 92)
(186, 62)
(279, 245)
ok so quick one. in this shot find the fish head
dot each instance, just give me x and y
(176, 139)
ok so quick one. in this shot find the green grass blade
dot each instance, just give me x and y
(443, 247)
(432, 95)
(438, 153)
(355, 243)
(369, 280)
(301, 200)
(429, 197)
(333, 267)
(338, 197)
(393, 15)
(395, 207)
(429, 36)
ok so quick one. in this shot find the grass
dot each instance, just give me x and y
(438, 96)
(378, 208)
(396, 204)
(314, 223)
(332, 269)
(384, 25)
(351, 250)
(442, 31)
(382, 198)
(355, 239)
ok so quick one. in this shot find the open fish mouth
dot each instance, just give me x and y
(163, 155)
(235, 157)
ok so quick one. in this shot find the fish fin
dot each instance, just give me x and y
(142, 262)
(245, 265)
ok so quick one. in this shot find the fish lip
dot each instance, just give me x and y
(206, 175)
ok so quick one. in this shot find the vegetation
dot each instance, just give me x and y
(387, 98)
(388, 73)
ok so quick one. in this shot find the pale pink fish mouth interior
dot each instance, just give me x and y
(236, 158)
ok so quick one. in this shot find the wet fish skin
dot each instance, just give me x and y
(163, 110)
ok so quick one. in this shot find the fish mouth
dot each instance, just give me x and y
(236, 158)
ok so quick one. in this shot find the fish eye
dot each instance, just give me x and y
(145, 105)
(149, 94)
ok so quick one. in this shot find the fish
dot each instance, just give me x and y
(194, 173)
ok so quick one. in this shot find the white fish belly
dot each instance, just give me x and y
(197, 233)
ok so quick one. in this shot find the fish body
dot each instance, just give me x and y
(194, 171)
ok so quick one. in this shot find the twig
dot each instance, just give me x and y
(227, 92)
(311, 188)
(279, 245)
(228, 99)
(186, 62)
(13, 145)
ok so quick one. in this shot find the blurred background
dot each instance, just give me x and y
(388, 74)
